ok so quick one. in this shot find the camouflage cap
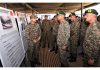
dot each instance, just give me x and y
(91, 11)
(61, 12)
(33, 16)
(72, 14)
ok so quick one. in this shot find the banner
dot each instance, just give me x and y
(11, 49)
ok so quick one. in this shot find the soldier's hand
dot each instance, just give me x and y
(91, 61)
(35, 41)
(64, 47)
(39, 38)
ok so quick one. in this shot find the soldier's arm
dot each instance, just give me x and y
(93, 52)
(27, 32)
(67, 32)
(78, 31)
(77, 28)
(51, 25)
(96, 43)
(39, 33)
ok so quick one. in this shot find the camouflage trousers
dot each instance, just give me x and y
(54, 42)
(46, 39)
(63, 56)
(33, 52)
(73, 47)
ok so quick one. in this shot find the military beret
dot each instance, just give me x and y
(33, 16)
(91, 11)
(61, 12)
(72, 14)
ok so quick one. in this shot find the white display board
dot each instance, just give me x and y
(11, 49)
(21, 19)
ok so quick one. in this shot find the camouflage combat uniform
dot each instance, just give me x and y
(33, 32)
(74, 36)
(91, 44)
(82, 31)
(62, 40)
(55, 26)
(46, 33)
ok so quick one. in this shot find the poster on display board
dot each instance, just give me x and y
(22, 22)
(11, 50)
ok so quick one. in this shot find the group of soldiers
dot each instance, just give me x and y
(63, 35)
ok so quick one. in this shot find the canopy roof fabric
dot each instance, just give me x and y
(47, 8)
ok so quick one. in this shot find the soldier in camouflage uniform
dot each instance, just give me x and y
(74, 36)
(39, 22)
(83, 28)
(46, 32)
(91, 43)
(33, 34)
(62, 38)
(55, 26)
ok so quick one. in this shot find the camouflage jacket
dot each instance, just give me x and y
(74, 29)
(63, 33)
(46, 26)
(91, 43)
(83, 29)
(55, 26)
(32, 32)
